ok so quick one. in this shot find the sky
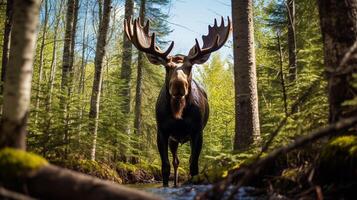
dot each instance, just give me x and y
(189, 19)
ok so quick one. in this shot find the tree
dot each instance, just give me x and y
(69, 43)
(58, 11)
(125, 74)
(139, 79)
(339, 29)
(247, 129)
(6, 40)
(290, 6)
(67, 63)
(97, 82)
(40, 68)
(19, 74)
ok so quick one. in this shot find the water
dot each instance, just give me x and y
(188, 192)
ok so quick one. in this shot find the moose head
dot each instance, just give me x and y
(178, 67)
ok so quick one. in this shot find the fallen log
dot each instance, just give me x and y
(31, 175)
(52, 182)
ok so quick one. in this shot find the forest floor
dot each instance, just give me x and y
(320, 170)
(314, 172)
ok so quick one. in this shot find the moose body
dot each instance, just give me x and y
(172, 131)
(182, 106)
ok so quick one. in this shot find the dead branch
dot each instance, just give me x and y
(11, 195)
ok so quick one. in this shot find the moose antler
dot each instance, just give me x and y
(214, 40)
(140, 37)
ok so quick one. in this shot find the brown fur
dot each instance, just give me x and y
(177, 106)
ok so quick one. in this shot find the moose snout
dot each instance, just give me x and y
(178, 89)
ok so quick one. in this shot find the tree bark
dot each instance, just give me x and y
(17, 87)
(68, 46)
(247, 129)
(6, 41)
(141, 63)
(339, 29)
(67, 65)
(40, 68)
(98, 62)
(125, 74)
(282, 79)
(292, 40)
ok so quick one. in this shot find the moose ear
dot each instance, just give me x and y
(154, 59)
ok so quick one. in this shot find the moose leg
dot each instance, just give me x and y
(196, 146)
(162, 143)
(175, 161)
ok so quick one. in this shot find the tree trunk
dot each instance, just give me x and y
(68, 46)
(141, 63)
(282, 79)
(84, 49)
(17, 87)
(247, 129)
(292, 40)
(98, 62)
(40, 68)
(339, 29)
(125, 74)
(67, 65)
(83, 67)
(54, 56)
(6, 41)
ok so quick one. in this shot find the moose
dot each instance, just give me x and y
(182, 106)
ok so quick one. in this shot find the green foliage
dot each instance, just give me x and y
(91, 167)
(14, 162)
(217, 79)
(312, 110)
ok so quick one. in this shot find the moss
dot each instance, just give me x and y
(338, 159)
(14, 162)
(291, 174)
(216, 172)
(126, 167)
(93, 168)
(252, 159)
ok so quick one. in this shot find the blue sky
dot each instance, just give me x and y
(193, 18)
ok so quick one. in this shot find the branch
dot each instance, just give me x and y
(7, 194)
(248, 172)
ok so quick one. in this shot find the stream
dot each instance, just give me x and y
(188, 192)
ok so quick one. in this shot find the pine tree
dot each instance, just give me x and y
(247, 129)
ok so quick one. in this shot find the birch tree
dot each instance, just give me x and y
(17, 88)
(97, 82)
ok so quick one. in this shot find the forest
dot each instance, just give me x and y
(160, 99)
